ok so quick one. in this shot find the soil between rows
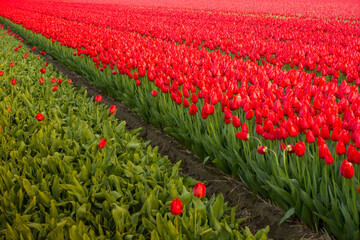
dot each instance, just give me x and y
(259, 212)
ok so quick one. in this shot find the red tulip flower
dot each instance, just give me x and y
(13, 81)
(242, 136)
(112, 109)
(300, 149)
(340, 148)
(236, 121)
(347, 169)
(42, 70)
(1, 73)
(154, 93)
(11, 64)
(98, 98)
(70, 81)
(262, 149)
(54, 88)
(40, 117)
(199, 190)
(310, 138)
(176, 207)
(102, 143)
(193, 109)
(41, 80)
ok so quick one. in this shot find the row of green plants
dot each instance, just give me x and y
(70, 170)
(305, 186)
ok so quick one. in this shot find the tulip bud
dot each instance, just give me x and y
(102, 143)
(176, 207)
(112, 109)
(40, 117)
(347, 169)
(98, 98)
(199, 190)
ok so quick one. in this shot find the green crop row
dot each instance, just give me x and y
(56, 182)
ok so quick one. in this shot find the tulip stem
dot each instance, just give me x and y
(176, 224)
(197, 201)
(285, 167)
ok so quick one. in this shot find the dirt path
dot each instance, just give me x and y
(259, 212)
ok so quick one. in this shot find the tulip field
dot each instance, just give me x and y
(70, 170)
(268, 95)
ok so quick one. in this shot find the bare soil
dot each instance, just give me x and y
(258, 211)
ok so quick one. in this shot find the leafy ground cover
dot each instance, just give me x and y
(69, 169)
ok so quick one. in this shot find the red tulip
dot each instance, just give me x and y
(59, 81)
(347, 169)
(98, 98)
(1, 73)
(236, 121)
(310, 138)
(186, 103)
(176, 207)
(11, 64)
(41, 80)
(13, 81)
(138, 83)
(102, 143)
(199, 190)
(112, 109)
(300, 149)
(262, 149)
(242, 136)
(340, 148)
(282, 146)
(53, 80)
(353, 155)
(54, 88)
(244, 128)
(40, 117)
(42, 70)
(193, 109)
(328, 158)
(154, 93)
(324, 133)
(70, 81)
(34, 48)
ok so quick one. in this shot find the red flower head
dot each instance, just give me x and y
(154, 93)
(54, 88)
(199, 190)
(236, 121)
(242, 136)
(59, 81)
(176, 207)
(340, 148)
(347, 169)
(11, 64)
(42, 53)
(98, 98)
(262, 149)
(41, 80)
(193, 109)
(112, 109)
(42, 70)
(70, 81)
(40, 117)
(138, 83)
(34, 48)
(300, 149)
(310, 138)
(1, 73)
(102, 143)
(13, 81)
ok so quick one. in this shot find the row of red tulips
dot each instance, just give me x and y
(328, 47)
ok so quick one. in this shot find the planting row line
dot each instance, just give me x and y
(327, 47)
